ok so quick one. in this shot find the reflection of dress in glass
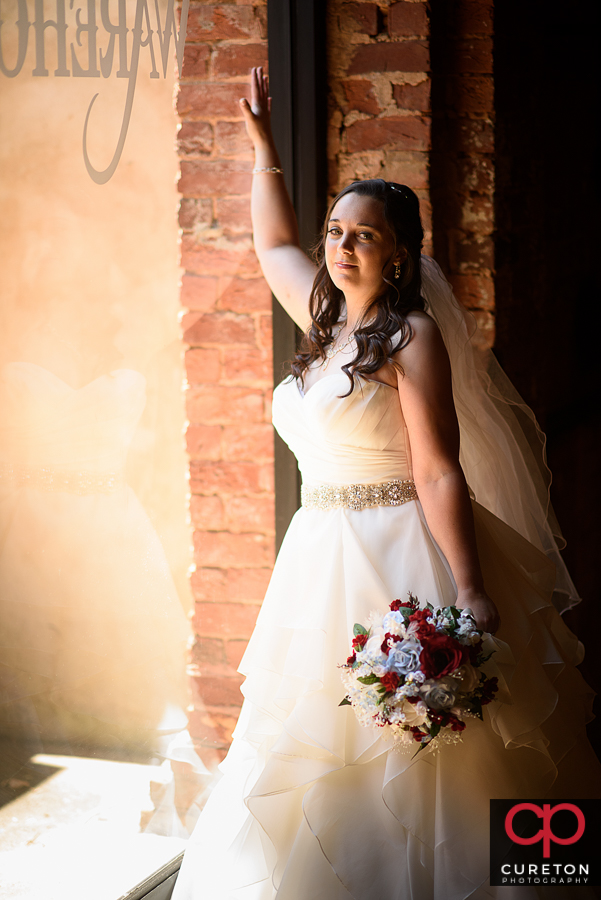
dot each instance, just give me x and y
(92, 628)
(313, 805)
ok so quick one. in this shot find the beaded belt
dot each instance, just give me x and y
(358, 496)
(45, 478)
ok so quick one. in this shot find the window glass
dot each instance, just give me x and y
(94, 544)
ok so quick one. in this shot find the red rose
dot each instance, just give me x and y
(420, 615)
(422, 623)
(397, 604)
(388, 636)
(441, 654)
(359, 641)
(390, 681)
(351, 659)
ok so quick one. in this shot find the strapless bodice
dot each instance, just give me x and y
(359, 439)
(47, 423)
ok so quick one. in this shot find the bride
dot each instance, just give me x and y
(387, 392)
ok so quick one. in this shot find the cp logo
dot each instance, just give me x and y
(545, 834)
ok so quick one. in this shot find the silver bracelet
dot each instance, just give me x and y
(273, 169)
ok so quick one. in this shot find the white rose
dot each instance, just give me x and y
(414, 713)
(439, 694)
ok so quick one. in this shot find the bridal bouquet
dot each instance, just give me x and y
(418, 672)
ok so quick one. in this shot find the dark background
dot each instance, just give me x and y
(547, 243)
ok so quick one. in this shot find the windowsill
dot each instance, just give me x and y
(77, 832)
(159, 885)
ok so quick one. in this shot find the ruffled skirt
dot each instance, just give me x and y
(313, 806)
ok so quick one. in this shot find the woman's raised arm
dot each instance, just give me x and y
(288, 271)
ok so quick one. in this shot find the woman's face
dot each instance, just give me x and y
(359, 246)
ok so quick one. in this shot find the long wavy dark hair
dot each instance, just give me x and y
(383, 329)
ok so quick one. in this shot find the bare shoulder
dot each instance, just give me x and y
(425, 337)
(425, 350)
(423, 325)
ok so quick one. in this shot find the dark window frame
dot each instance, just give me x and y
(296, 37)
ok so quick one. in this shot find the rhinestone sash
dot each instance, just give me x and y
(358, 496)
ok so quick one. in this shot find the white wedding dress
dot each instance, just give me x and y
(313, 806)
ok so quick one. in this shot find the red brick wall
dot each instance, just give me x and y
(463, 152)
(379, 119)
(386, 60)
(227, 330)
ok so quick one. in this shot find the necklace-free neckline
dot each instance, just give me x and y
(303, 394)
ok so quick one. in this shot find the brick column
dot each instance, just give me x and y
(463, 174)
(379, 124)
(227, 329)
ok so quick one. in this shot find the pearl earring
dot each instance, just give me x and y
(397, 270)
